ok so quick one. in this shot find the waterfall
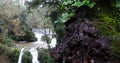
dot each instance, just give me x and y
(20, 56)
(39, 33)
(34, 54)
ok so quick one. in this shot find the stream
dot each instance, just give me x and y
(37, 44)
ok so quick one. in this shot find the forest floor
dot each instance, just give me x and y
(3, 59)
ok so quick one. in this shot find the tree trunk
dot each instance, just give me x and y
(4, 32)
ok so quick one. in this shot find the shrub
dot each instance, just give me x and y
(9, 42)
(30, 36)
(27, 58)
(2, 49)
(44, 56)
(13, 57)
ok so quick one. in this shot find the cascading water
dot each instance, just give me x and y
(20, 56)
(38, 44)
(34, 54)
(39, 33)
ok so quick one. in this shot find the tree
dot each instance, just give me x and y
(7, 11)
(34, 19)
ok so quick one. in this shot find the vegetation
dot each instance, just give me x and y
(65, 10)
(28, 37)
(12, 55)
(6, 14)
(16, 23)
(106, 17)
(45, 56)
(108, 23)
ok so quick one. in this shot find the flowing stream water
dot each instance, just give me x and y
(20, 56)
(38, 44)
(34, 54)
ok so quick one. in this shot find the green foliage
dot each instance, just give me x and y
(64, 17)
(9, 42)
(30, 36)
(70, 6)
(2, 49)
(14, 55)
(67, 8)
(45, 56)
(46, 39)
(118, 13)
(108, 23)
(27, 57)
(84, 2)
(117, 4)
(116, 48)
(1, 41)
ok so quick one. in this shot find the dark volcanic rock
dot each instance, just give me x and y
(82, 43)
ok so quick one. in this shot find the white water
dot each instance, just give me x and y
(39, 43)
(39, 33)
(34, 54)
(20, 56)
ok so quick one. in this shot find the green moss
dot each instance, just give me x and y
(108, 25)
(116, 48)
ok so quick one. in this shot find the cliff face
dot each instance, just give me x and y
(82, 42)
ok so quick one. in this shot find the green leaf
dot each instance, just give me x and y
(64, 20)
(67, 2)
(56, 21)
(64, 15)
(78, 4)
(91, 5)
(62, 6)
(71, 14)
(75, 0)
(86, 1)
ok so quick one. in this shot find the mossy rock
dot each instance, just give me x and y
(107, 17)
